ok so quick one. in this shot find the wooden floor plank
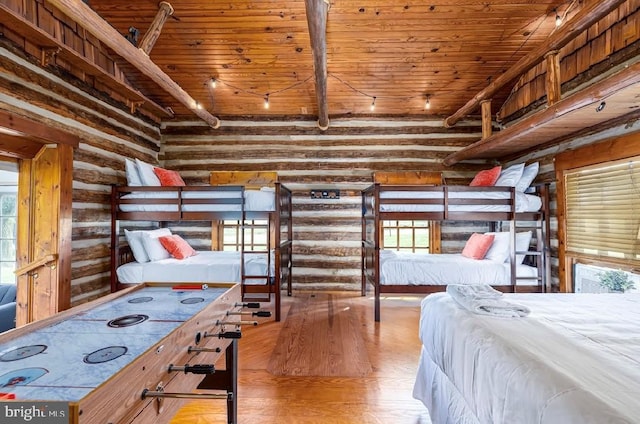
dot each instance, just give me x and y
(382, 396)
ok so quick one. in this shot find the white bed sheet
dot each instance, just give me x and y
(205, 267)
(524, 202)
(407, 268)
(574, 359)
(254, 200)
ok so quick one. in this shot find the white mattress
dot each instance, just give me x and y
(205, 267)
(406, 268)
(574, 359)
(254, 200)
(524, 202)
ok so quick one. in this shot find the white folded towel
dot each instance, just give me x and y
(485, 300)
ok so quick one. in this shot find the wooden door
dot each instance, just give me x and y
(44, 233)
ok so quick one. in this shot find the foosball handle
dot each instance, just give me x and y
(262, 314)
(251, 305)
(193, 369)
(200, 369)
(230, 335)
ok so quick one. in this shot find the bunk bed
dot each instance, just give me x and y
(241, 196)
(421, 196)
(573, 359)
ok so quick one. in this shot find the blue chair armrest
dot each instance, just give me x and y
(7, 316)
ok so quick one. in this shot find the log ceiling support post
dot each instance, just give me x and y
(486, 118)
(151, 36)
(93, 23)
(552, 80)
(317, 11)
(585, 18)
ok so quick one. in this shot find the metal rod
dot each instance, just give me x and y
(218, 322)
(158, 394)
(261, 314)
(203, 349)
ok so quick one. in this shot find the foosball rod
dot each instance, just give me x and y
(159, 394)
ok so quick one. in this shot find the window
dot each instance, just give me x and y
(603, 210)
(8, 225)
(255, 235)
(410, 236)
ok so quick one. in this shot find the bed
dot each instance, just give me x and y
(241, 196)
(422, 196)
(574, 359)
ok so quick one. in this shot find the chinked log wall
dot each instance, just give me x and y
(108, 133)
(327, 232)
(604, 48)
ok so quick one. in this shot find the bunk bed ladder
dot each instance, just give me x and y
(540, 226)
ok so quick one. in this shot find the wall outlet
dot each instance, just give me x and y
(329, 193)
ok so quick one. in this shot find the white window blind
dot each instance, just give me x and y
(603, 210)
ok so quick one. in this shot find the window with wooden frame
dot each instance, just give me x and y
(411, 236)
(8, 234)
(598, 193)
(603, 210)
(255, 235)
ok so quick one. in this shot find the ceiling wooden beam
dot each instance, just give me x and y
(92, 22)
(597, 104)
(151, 36)
(583, 19)
(317, 11)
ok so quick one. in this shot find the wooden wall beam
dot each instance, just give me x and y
(585, 18)
(317, 11)
(92, 22)
(152, 34)
(24, 129)
(552, 79)
(486, 118)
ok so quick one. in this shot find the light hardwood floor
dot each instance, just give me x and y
(327, 327)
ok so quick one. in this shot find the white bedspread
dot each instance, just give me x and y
(574, 359)
(408, 268)
(206, 266)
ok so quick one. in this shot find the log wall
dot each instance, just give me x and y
(327, 232)
(108, 135)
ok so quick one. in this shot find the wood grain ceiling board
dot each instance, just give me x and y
(397, 52)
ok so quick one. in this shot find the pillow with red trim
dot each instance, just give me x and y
(486, 178)
(177, 246)
(168, 177)
(478, 245)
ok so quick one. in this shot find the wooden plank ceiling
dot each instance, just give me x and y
(397, 52)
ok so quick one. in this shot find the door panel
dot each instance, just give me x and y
(44, 231)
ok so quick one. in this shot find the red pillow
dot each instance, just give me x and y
(177, 246)
(168, 178)
(486, 178)
(478, 245)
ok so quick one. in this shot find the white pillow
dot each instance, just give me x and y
(528, 175)
(499, 250)
(134, 239)
(508, 177)
(523, 240)
(147, 176)
(155, 250)
(131, 171)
